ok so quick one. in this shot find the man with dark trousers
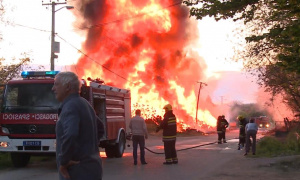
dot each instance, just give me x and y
(242, 133)
(169, 127)
(139, 133)
(77, 152)
(222, 124)
(219, 130)
(251, 131)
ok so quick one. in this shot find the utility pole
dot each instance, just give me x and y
(53, 43)
(222, 104)
(201, 83)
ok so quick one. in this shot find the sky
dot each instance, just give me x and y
(31, 28)
(31, 32)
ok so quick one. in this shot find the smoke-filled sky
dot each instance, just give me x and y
(31, 26)
(149, 44)
(151, 47)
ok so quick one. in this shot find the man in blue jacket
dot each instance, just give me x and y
(77, 152)
(251, 131)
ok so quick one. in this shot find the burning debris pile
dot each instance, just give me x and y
(144, 46)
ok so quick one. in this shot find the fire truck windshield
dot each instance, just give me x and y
(29, 98)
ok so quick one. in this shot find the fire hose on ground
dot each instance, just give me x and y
(200, 145)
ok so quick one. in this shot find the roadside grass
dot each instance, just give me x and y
(5, 161)
(270, 146)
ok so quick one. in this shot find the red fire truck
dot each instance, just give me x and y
(262, 122)
(29, 113)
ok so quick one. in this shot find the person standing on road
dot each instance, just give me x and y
(222, 124)
(77, 152)
(169, 127)
(139, 134)
(242, 134)
(219, 130)
(251, 131)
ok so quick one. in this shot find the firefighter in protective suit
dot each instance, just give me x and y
(169, 127)
(242, 134)
(222, 124)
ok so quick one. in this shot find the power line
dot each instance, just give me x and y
(93, 59)
(103, 24)
(32, 28)
(105, 66)
(201, 83)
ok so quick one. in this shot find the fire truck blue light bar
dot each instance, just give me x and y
(28, 74)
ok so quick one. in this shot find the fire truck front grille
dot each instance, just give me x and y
(30, 128)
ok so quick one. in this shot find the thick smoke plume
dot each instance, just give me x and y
(143, 45)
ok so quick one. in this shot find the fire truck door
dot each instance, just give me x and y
(100, 107)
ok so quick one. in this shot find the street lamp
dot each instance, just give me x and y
(67, 7)
(53, 55)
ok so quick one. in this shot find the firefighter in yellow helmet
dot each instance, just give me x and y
(242, 134)
(169, 127)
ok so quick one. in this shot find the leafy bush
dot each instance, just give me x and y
(271, 146)
(293, 141)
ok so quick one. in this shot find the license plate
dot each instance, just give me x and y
(32, 143)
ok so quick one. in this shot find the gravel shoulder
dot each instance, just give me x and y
(259, 168)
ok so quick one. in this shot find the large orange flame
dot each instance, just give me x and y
(143, 45)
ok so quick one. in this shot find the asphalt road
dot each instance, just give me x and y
(196, 161)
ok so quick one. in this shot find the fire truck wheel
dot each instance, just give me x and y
(20, 159)
(119, 147)
(109, 151)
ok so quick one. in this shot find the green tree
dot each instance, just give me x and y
(10, 70)
(280, 80)
(273, 38)
(1, 16)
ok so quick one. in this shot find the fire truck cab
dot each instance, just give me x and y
(262, 121)
(29, 114)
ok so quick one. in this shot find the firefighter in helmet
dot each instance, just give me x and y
(222, 124)
(169, 127)
(242, 134)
